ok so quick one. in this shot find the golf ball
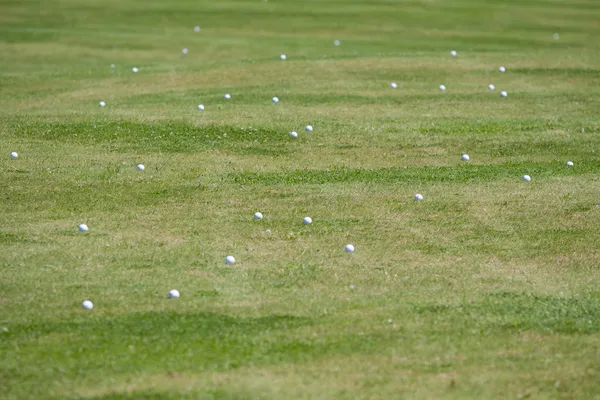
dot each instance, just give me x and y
(570, 163)
(201, 107)
(102, 104)
(283, 56)
(556, 36)
(491, 87)
(88, 305)
(134, 69)
(526, 178)
(309, 128)
(174, 294)
(307, 220)
(230, 260)
(275, 100)
(453, 53)
(112, 65)
(442, 88)
(503, 94)
(465, 157)
(140, 167)
(14, 155)
(294, 134)
(349, 248)
(185, 51)
(83, 228)
(393, 85)
(258, 216)
(418, 197)
(337, 42)
(227, 96)
(196, 29)
(501, 69)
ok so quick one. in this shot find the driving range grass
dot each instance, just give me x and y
(488, 288)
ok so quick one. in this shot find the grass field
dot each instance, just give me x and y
(488, 288)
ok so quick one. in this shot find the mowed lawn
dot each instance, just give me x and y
(488, 288)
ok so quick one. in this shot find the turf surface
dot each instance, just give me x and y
(488, 288)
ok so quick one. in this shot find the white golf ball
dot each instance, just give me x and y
(88, 305)
(453, 53)
(501, 69)
(465, 157)
(556, 36)
(491, 87)
(134, 69)
(174, 294)
(570, 163)
(102, 104)
(201, 107)
(140, 167)
(283, 56)
(227, 96)
(393, 85)
(294, 134)
(230, 260)
(526, 178)
(307, 220)
(503, 94)
(112, 65)
(418, 197)
(349, 248)
(196, 29)
(14, 155)
(83, 228)
(442, 88)
(258, 216)
(185, 50)
(275, 100)
(337, 42)
(309, 128)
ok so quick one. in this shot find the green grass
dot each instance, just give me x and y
(486, 289)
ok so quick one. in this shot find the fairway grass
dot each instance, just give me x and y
(488, 288)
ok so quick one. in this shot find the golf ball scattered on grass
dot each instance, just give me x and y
(294, 134)
(112, 65)
(230, 260)
(102, 104)
(556, 36)
(418, 197)
(442, 88)
(83, 228)
(393, 85)
(570, 163)
(501, 69)
(140, 167)
(283, 57)
(337, 42)
(185, 51)
(227, 96)
(196, 29)
(453, 53)
(309, 128)
(275, 100)
(503, 94)
(349, 248)
(526, 178)
(258, 216)
(174, 294)
(465, 157)
(14, 155)
(307, 220)
(88, 305)
(134, 70)
(491, 87)
(201, 107)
